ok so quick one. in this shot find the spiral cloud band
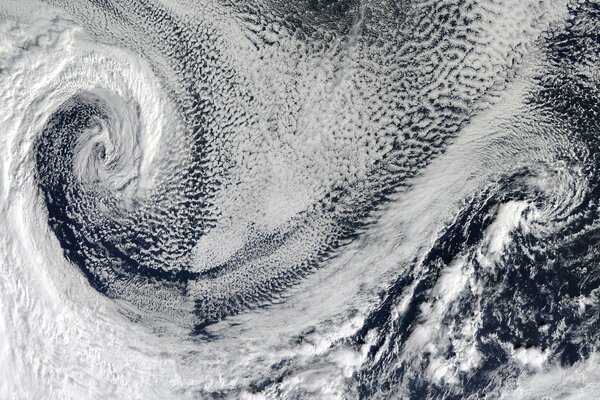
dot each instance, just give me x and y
(306, 199)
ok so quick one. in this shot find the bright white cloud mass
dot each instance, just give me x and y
(305, 199)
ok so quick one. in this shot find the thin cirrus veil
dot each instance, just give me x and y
(303, 199)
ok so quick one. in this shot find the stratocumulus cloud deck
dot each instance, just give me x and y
(305, 199)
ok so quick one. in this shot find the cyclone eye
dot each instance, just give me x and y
(100, 151)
